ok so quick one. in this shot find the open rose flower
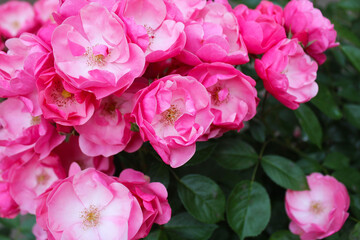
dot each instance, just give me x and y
(96, 56)
(309, 26)
(160, 38)
(260, 28)
(288, 73)
(233, 95)
(8, 207)
(16, 17)
(152, 197)
(172, 113)
(89, 205)
(182, 10)
(319, 212)
(44, 9)
(213, 36)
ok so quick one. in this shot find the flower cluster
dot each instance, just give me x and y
(85, 80)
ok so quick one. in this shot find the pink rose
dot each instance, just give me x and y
(172, 113)
(30, 179)
(108, 132)
(16, 17)
(96, 56)
(8, 207)
(233, 95)
(307, 24)
(319, 212)
(213, 36)
(159, 37)
(183, 9)
(62, 106)
(44, 9)
(89, 205)
(20, 130)
(288, 73)
(70, 152)
(39, 233)
(152, 197)
(261, 28)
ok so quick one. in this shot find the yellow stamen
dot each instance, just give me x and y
(90, 216)
(66, 94)
(35, 120)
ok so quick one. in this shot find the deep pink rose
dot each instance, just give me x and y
(183, 9)
(96, 56)
(8, 207)
(319, 212)
(108, 132)
(30, 179)
(233, 96)
(260, 28)
(172, 113)
(16, 17)
(89, 205)
(288, 73)
(44, 9)
(70, 152)
(152, 197)
(213, 36)
(62, 106)
(307, 24)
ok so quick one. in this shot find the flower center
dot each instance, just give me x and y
(96, 55)
(35, 120)
(316, 207)
(65, 94)
(60, 96)
(15, 24)
(171, 115)
(219, 95)
(42, 178)
(151, 33)
(90, 217)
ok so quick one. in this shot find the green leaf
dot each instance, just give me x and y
(336, 161)
(158, 172)
(350, 5)
(283, 235)
(352, 114)
(350, 177)
(347, 34)
(355, 233)
(202, 198)
(257, 131)
(203, 151)
(309, 165)
(184, 227)
(248, 209)
(157, 235)
(284, 172)
(310, 124)
(353, 54)
(325, 102)
(235, 154)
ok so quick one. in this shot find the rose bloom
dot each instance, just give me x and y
(16, 17)
(88, 205)
(319, 212)
(172, 113)
(213, 36)
(182, 10)
(44, 9)
(260, 28)
(152, 197)
(96, 56)
(288, 73)
(233, 96)
(307, 24)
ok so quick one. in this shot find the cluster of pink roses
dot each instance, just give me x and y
(111, 74)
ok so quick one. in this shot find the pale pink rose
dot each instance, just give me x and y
(44, 9)
(260, 28)
(89, 205)
(96, 56)
(307, 24)
(233, 95)
(319, 212)
(213, 36)
(172, 113)
(30, 179)
(70, 152)
(152, 197)
(16, 17)
(62, 105)
(39, 233)
(108, 132)
(159, 37)
(8, 207)
(288, 73)
(182, 10)
(20, 130)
